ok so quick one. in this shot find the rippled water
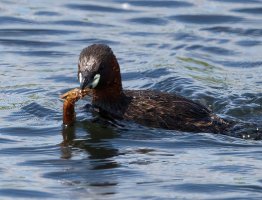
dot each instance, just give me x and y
(206, 50)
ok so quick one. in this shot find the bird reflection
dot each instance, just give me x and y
(96, 168)
(95, 142)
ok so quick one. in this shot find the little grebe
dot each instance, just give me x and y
(98, 69)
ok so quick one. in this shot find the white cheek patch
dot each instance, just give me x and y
(80, 77)
(96, 80)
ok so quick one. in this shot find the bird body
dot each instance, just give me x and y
(99, 70)
(162, 110)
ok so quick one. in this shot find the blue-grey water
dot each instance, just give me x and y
(207, 50)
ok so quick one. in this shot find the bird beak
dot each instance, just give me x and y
(82, 80)
(88, 81)
(83, 84)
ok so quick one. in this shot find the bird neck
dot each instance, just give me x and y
(111, 100)
(110, 97)
(110, 93)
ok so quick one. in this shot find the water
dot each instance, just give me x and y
(209, 51)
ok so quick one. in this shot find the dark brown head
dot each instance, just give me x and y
(99, 70)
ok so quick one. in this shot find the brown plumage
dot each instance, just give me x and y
(98, 69)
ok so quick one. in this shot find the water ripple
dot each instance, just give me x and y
(6, 141)
(254, 32)
(256, 10)
(28, 150)
(96, 40)
(29, 131)
(248, 43)
(157, 4)
(47, 13)
(148, 20)
(49, 54)
(212, 50)
(79, 23)
(23, 193)
(206, 19)
(15, 32)
(38, 110)
(140, 33)
(217, 188)
(29, 43)
(241, 64)
(14, 20)
(239, 1)
(96, 8)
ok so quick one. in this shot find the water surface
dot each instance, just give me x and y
(206, 50)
